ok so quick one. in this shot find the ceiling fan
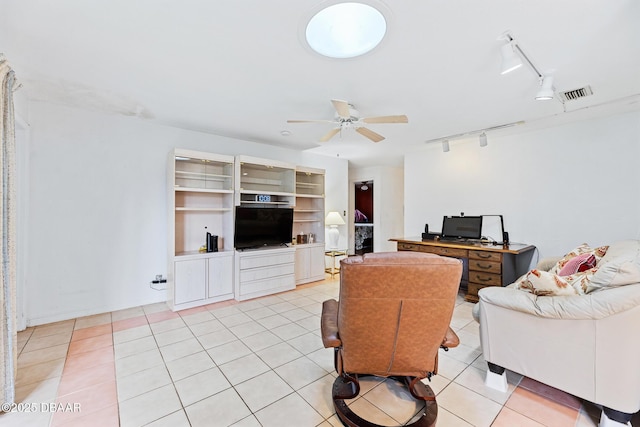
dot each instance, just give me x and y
(347, 117)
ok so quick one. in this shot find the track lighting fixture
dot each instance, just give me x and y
(510, 60)
(511, 53)
(481, 132)
(546, 89)
(483, 139)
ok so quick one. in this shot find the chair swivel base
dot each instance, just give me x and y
(347, 387)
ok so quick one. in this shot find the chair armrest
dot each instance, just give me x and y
(329, 324)
(450, 339)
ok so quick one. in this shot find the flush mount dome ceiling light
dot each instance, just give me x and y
(346, 30)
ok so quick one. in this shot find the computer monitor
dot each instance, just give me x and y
(462, 227)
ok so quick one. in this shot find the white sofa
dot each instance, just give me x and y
(585, 345)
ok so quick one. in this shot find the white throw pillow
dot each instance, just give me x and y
(623, 270)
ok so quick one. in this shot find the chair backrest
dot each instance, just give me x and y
(394, 311)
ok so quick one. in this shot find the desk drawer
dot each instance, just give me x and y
(486, 256)
(444, 251)
(452, 252)
(481, 278)
(407, 247)
(485, 266)
(472, 292)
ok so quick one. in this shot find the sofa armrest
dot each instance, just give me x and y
(596, 305)
(329, 324)
(546, 263)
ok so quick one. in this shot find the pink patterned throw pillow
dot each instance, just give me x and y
(578, 264)
(584, 248)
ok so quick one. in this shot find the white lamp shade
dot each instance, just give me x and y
(546, 89)
(334, 218)
(510, 60)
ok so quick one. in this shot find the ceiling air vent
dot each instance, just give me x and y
(572, 95)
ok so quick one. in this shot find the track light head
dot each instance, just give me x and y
(546, 91)
(510, 59)
(483, 139)
(445, 146)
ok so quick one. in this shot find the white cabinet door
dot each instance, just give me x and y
(316, 262)
(220, 276)
(190, 284)
(302, 263)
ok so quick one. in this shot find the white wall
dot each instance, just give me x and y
(97, 216)
(556, 187)
(388, 212)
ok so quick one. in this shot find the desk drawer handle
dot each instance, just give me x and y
(486, 266)
(483, 279)
(483, 255)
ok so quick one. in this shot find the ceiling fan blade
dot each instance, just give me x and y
(386, 119)
(342, 107)
(310, 121)
(329, 135)
(375, 137)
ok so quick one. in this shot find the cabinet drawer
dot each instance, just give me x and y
(266, 272)
(485, 266)
(267, 286)
(487, 256)
(479, 278)
(267, 260)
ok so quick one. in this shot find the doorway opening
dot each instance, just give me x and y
(363, 217)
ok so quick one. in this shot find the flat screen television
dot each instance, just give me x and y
(462, 227)
(258, 227)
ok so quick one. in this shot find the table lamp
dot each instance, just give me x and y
(333, 220)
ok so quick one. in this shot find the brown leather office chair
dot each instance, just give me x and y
(392, 317)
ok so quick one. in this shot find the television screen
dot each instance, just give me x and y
(257, 227)
(462, 227)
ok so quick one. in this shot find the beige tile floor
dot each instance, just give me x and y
(255, 363)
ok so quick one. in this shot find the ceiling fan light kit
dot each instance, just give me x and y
(347, 117)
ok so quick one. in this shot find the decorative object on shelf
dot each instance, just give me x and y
(333, 220)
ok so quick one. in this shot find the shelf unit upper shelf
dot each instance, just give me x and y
(255, 176)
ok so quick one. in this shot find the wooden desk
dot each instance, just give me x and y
(488, 265)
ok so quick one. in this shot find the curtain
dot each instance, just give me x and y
(8, 335)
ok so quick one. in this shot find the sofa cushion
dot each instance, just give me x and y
(621, 248)
(584, 248)
(578, 264)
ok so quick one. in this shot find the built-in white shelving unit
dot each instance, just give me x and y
(203, 191)
(308, 219)
(200, 200)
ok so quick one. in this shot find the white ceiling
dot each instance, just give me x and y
(241, 68)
